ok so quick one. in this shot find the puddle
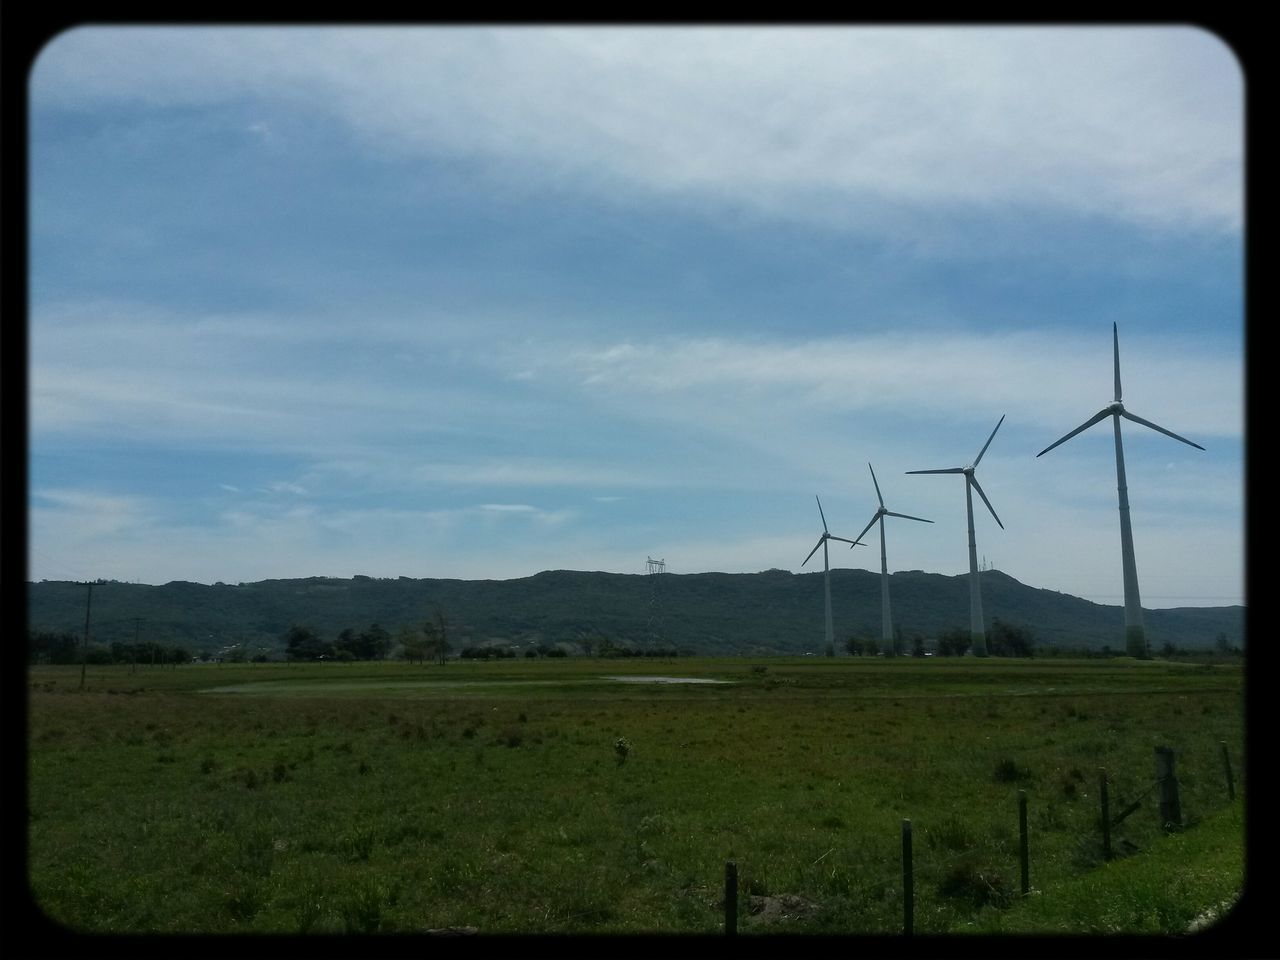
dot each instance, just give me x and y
(665, 680)
(268, 687)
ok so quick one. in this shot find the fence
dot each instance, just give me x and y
(1169, 812)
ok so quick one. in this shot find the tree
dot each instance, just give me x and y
(860, 647)
(917, 644)
(375, 642)
(1007, 640)
(413, 645)
(437, 637)
(49, 647)
(347, 646)
(953, 642)
(303, 643)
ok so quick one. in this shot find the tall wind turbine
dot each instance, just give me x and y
(826, 569)
(1134, 635)
(977, 628)
(886, 621)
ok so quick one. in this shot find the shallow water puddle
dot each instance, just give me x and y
(666, 680)
(266, 687)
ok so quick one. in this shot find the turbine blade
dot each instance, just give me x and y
(821, 540)
(978, 487)
(988, 443)
(845, 540)
(948, 470)
(821, 514)
(1096, 418)
(858, 538)
(1115, 336)
(1168, 433)
(873, 480)
(905, 516)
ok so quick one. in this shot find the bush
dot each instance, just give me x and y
(1007, 771)
(977, 883)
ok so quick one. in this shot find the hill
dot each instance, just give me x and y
(773, 612)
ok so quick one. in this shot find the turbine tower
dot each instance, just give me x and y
(977, 627)
(1134, 635)
(886, 621)
(826, 570)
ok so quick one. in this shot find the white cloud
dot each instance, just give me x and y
(1140, 124)
(285, 486)
(92, 515)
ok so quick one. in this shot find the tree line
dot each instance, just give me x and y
(1003, 640)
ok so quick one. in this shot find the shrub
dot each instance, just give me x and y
(977, 883)
(1007, 771)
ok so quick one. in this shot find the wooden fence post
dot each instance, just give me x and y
(1226, 763)
(1170, 807)
(1023, 855)
(730, 898)
(1106, 814)
(908, 885)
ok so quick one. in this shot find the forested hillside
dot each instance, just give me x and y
(704, 613)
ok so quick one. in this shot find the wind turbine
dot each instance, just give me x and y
(886, 621)
(1134, 634)
(826, 569)
(977, 629)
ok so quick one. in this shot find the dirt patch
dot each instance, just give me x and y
(785, 906)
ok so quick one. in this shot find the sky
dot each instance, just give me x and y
(478, 302)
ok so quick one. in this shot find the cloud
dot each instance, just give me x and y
(284, 486)
(854, 125)
(1050, 380)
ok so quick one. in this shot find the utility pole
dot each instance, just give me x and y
(84, 650)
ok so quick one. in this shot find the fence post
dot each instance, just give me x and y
(1023, 855)
(1170, 807)
(730, 898)
(1106, 814)
(908, 885)
(1226, 763)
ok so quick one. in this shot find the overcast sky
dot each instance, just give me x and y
(479, 302)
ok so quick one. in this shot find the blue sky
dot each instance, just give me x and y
(477, 302)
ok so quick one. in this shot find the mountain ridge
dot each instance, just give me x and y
(770, 612)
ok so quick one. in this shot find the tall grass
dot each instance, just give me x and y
(493, 796)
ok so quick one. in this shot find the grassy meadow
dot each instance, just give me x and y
(395, 798)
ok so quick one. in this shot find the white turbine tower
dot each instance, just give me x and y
(886, 621)
(1134, 635)
(977, 628)
(826, 570)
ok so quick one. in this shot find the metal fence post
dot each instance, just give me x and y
(1231, 780)
(908, 886)
(1023, 855)
(1170, 806)
(1106, 814)
(730, 898)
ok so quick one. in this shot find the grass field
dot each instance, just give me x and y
(274, 798)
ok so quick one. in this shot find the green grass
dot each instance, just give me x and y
(390, 798)
(1161, 892)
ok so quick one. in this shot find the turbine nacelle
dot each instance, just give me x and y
(827, 535)
(969, 472)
